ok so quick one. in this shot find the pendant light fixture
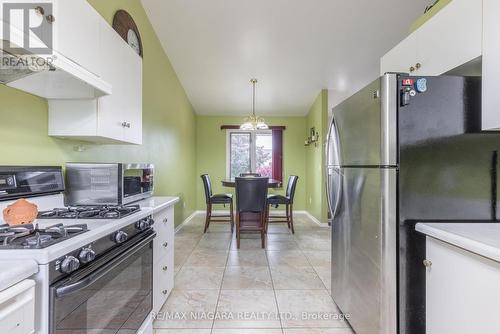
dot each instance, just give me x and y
(253, 122)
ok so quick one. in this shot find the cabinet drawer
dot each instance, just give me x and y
(163, 280)
(164, 227)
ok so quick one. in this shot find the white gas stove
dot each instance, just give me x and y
(95, 263)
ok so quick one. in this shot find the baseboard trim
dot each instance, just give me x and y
(314, 219)
(187, 220)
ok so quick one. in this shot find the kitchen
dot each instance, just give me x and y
(175, 114)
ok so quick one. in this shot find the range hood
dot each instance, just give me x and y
(59, 78)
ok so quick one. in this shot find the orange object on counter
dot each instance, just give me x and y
(20, 212)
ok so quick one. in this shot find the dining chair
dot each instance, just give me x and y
(287, 200)
(212, 200)
(250, 175)
(251, 205)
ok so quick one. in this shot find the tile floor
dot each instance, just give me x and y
(222, 290)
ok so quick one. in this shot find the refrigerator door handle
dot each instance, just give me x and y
(333, 140)
(330, 173)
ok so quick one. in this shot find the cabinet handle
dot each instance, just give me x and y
(165, 268)
(165, 244)
(418, 66)
(165, 220)
(39, 10)
(427, 263)
(126, 125)
(164, 292)
(50, 18)
(412, 69)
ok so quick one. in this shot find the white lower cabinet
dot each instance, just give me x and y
(17, 308)
(462, 291)
(163, 257)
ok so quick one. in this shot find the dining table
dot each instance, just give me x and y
(231, 183)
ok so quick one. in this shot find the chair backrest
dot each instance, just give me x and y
(207, 184)
(290, 188)
(250, 175)
(251, 194)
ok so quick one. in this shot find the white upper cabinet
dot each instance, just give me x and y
(449, 39)
(491, 65)
(76, 33)
(115, 118)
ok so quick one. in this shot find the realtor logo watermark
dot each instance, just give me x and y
(27, 34)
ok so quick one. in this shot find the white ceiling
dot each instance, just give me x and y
(294, 48)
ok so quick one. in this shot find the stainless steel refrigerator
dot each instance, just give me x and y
(372, 154)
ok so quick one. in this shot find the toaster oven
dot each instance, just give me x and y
(108, 183)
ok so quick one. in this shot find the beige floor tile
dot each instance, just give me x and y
(213, 244)
(295, 278)
(319, 258)
(318, 331)
(287, 257)
(247, 309)
(183, 308)
(279, 245)
(309, 309)
(246, 331)
(248, 242)
(182, 331)
(247, 278)
(247, 258)
(195, 278)
(314, 245)
(207, 258)
(325, 274)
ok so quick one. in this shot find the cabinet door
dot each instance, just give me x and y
(491, 65)
(401, 58)
(451, 38)
(462, 291)
(133, 87)
(111, 115)
(76, 33)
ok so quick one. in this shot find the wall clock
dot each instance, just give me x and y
(127, 29)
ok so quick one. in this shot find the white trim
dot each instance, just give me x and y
(310, 216)
(187, 220)
(314, 219)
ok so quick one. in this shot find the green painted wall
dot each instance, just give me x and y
(169, 135)
(315, 157)
(211, 153)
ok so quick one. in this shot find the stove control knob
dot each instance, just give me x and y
(86, 255)
(69, 264)
(120, 237)
(142, 224)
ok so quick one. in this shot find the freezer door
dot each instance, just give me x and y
(364, 249)
(364, 127)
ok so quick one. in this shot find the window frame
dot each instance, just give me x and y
(253, 143)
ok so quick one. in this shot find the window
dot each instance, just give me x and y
(253, 152)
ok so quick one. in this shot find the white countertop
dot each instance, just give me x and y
(157, 203)
(480, 238)
(14, 271)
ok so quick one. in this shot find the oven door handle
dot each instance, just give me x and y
(101, 272)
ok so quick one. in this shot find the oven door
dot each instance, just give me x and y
(113, 293)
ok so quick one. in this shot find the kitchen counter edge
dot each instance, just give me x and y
(486, 244)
